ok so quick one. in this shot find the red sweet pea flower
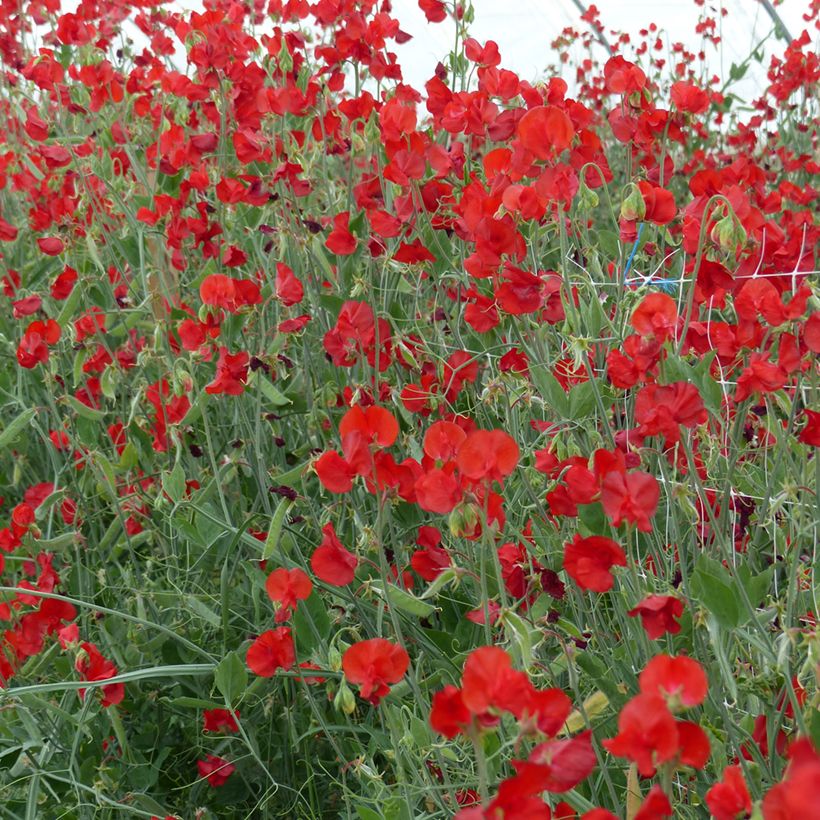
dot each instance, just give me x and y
(555, 766)
(362, 431)
(545, 131)
(289, 290)
(796, 796)
(33, 347)
(660, 203)
(217, 719)
(340, 240)
(272, 650)
(334, 472)
(730, 797)
(51, 245)
(215, 769)
(448, 714)
(658, 613)
(437, 491)
(647, 734)
(657, 316)
(332, 562)
(487, 455)
(662, 410)
(688, 97)
(374, 665)
(694, 745)
(588, 561)
(630, 497)
(679, 679)
(231, 373)
(623, 77)
(655, 806)
(490, 682)
(548, 710)
(92, 666)
(810, 434)
(227, 293)
(287, 587)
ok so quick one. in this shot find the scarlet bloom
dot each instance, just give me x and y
(545, 130)
(289, 290)
(334, 472)
(655, 806)
(730, 797)
(796, 796)
(374, 665)
(658, 614)
(810, 434)
(228, 293)
(216, 770)
(656, 315)
(647, 734)
(92, 666)
(332, 562)
(555, 766)
(688, 97)
(623, 77)
(217, 719)
(449, 715)
(33, 347)
(51, 245)
(231, 373)
(660, 203)
(271, 651)
(287, 587)
(630, 497)
(487, 454)
(588, 561)
(340, 240)
(490, 682)
(679, 679)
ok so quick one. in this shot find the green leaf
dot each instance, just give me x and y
(16, 426)
(582, 400)
(712, 586)
(231, 677)
(311, 624)
(275, 531)
(550, 389)
(173, 483)
(403, 600)
(84, 410)
(272, 394)
(368, 814)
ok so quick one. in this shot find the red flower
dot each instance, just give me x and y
(660, 203)
(332, 562)
(588, 561)
(340, 241)
(487, 455)
(92, 666)
(729, 798)
(688, 97)
(657, 316)
(810, 434)
(334, 472)
(33, 347)
(680, 679)
(215, 769)
(555, 766)
(623, 77)
(272, 650)
(647, 734)
(374, 665)
(216, 719)
(658, 613)
(287, 587)
(796, 796)
(289, 290)
(545, 131)
(227, 293)
(490, 682)
(231, 373)
(51, 245)
(448, 714)
(655, 805)
(630, 497)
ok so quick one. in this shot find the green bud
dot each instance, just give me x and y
(633, 207)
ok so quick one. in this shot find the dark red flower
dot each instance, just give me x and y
(216, 770)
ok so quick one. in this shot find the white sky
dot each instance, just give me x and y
(524, 30)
